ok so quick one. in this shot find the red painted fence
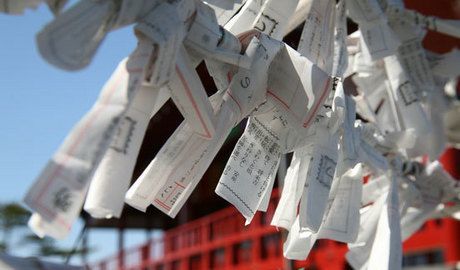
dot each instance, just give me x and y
(221, 241)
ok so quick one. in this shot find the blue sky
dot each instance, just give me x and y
(39, 104)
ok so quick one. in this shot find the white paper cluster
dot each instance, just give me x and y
(302, 100)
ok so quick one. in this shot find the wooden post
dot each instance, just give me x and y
(121, 251)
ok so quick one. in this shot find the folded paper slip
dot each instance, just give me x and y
(250, 172)
(59, 191)
(359, 251)
(111, 180)
(407, 101)
(273, 19)
(178, 166)
(245, 18)
(317, 39)
(297, 87)
(246, 91)
(286, 210)
(341, 220)
(42, 227)
(386, 253)
(190, 97)
(175, 189)
(71, 40)
(321, 171)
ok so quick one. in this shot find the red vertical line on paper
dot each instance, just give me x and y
(189, 95)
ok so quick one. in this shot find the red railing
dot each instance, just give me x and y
(221, 241)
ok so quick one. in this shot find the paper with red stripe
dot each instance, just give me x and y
(189, 167)
(190, 97)
(174, 172)
(297, 87)
(58, 193)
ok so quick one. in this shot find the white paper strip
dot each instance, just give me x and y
(71, 40)
(163, 27)
(406, 99)
(297, 87)
(184, 146)
(316, 41)
(340, 63)
(342, 220)
(112, 178)
(246, 91)
(58, 193)
(190, 97)
(359, 251)
(245, 18)
(251, 169)
(274, 17)
(321, 172)
(42, 227)
(175, 189)
(413, 60)
(299, 242)
(386, 253)
(286, 209)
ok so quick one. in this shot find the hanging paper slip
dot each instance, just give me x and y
(111, 180)
(163, 27)
(319, 179)
(59, 191)
(342, 221)
(246, 91)
(245, 18)
(190, 97)
(378, 40)
(413, 60)
(340, 63)
(251, 169)
(71, 40)
(210, 40)
(299, 242)
(297, 87)
(175, 155)
(359, 251)
(42, 227)
(274, 17)
(192, 165)
(316, 41)
(286, 210)
(386, 253)
(406, 99)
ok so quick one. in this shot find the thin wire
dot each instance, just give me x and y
(76, 244)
